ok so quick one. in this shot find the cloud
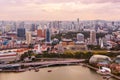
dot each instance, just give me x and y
(25, 2)
(59, 9)
(99, 1)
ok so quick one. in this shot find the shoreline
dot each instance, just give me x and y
(37, 65)
(94, 68)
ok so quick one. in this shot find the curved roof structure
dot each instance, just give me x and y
(99, 58)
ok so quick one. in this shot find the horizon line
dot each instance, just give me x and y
(63, 20)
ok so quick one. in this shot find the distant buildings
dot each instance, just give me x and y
(33, 27)
(40, 31)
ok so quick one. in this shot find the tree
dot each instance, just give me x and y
(78, 55)
(27, 54)
(88, 55)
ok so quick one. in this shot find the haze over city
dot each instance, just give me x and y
(59, 9)
(60, 39)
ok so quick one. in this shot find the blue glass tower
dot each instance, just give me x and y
(21, 33)
(48, 35)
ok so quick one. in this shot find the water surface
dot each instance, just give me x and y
(58, 73)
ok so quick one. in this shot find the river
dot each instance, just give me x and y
(58, 73)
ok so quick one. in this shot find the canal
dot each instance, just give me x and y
(58, 73)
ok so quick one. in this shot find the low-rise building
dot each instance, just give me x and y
(6, 57)
(115, 67)
(66, 42)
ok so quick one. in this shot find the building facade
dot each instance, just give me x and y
(93, 37)
(21, 33)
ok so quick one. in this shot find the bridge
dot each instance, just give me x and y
(41, 64)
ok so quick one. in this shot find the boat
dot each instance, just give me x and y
(36, 70)
(49, 70)
(30, 68)
(20, 70)
(104, 71)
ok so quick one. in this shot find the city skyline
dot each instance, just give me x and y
(59, 9)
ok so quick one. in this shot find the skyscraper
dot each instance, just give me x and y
(41, 32)
(28, 37)
(93, 37)
(101, 42)
(78, 24)
(48, 36)
(21, 33)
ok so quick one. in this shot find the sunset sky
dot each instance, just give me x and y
(59, 9)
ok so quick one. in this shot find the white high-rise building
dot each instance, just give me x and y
(101, 42)
(93, 37)
(28, 37)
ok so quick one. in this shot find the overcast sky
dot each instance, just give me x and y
(59, 9)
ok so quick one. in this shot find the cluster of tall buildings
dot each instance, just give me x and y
(28, 32)
(38, 34)
(24, 35)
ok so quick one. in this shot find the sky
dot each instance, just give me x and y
(59, 9)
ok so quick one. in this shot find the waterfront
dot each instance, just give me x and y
(75, 72)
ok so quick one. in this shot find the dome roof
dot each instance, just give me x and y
(99, 58)
(117, 59)
(118, 56)
(80, 34)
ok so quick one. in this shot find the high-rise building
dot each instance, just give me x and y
(21, 33)
(41, 32)
(78, 24)
(48, 35)
(28, 37)
(101, 42)
(93, 37)
(80, 37)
